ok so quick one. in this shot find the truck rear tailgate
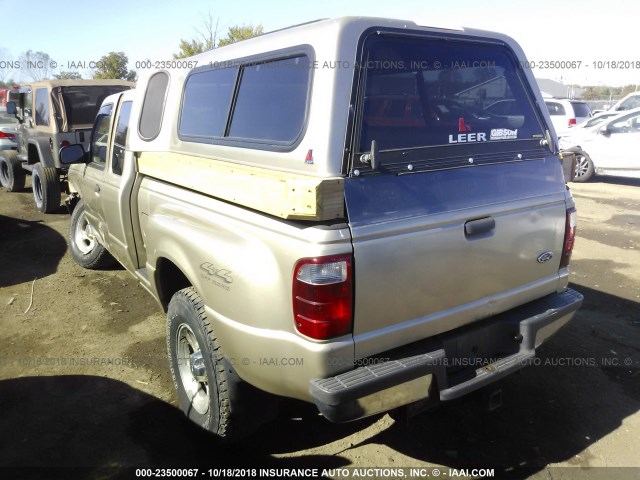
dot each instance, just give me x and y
(437, 250)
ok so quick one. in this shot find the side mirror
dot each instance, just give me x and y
(72, 154)
(11, 108)
(604, 130)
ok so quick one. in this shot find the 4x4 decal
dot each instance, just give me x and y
(222, 273)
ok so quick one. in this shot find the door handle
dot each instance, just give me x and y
(480, 226)
(97, 189)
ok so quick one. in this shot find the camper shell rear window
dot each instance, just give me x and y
(425, 98)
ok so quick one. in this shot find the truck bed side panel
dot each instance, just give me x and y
(241, 263)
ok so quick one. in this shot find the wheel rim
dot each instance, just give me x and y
(37, 189)
(582, 166)
(84, 237)
(191, 371)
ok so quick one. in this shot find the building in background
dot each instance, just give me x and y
(553, 89)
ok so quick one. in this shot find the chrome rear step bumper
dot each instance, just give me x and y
(446, 371)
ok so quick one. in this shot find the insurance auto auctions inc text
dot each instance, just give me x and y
(376, 472)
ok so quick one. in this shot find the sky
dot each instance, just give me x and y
(598, 38)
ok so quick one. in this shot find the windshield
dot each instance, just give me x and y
(630, 103)
(598, 119)
(425, 92)
(629, 122)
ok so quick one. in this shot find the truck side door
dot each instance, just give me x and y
(115, 200)
(91, 184)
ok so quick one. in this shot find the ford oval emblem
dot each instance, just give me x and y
(545, 257)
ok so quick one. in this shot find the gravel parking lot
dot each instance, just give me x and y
(84, 378)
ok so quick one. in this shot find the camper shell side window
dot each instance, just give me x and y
(153, 105)
(258, 102)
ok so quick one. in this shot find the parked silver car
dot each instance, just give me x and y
(8, 127)
(607, 148)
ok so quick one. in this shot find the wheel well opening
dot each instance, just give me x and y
(169, 280)
(33, 155)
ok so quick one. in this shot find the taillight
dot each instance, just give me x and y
(572, 122)
(322, 296)
(10, 136)
(569, 236)
(64, 143)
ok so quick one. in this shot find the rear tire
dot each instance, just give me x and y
(209, 391)
(46, 188)
(584, 167)
(12, 176)
(85, 248)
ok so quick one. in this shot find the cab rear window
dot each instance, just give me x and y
(81, 104)
(426, 92)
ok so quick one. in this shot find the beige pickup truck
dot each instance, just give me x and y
(336, 212)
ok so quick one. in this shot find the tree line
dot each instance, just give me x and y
(606, 93)
(36, 66)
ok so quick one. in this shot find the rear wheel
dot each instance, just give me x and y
(584, 167)
(196, 364)
(85, 248)
(11, 173)
(46, 188)
(209, 391)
